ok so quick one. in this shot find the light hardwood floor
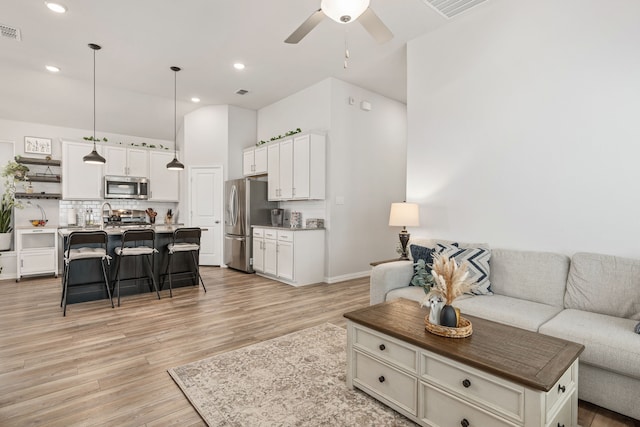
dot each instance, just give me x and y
(100, 366)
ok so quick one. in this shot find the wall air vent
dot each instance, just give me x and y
(241, 91)
(451, 8)
(10, 32)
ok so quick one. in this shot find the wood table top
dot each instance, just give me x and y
(528, 358)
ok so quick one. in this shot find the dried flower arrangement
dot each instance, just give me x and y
(450, 279)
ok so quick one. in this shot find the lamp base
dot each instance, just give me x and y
(404, 240)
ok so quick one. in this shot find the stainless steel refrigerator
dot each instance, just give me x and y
(246, 204)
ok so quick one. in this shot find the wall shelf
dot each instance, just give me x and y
(38, 196)
(36, 161)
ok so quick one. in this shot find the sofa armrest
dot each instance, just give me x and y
(388, 276)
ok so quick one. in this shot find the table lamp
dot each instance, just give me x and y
(403, 215)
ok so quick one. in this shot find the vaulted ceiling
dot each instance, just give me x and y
(142, 39)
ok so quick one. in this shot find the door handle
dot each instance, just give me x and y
(217, 222)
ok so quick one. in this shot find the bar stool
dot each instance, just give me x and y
(184, 240)
(137, 243)
(77, 250)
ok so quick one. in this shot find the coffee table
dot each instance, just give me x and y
(499, 376)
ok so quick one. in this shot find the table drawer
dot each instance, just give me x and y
(482, 388)
(439, 408)
(389, 383)
(563, 417)
(562, 388)
(382, 346)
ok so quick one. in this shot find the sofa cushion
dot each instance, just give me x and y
(510, 311)
(477, 260)
(530, 275)
(414, 293)
(604, 284)
(609, 341)
(432, 243)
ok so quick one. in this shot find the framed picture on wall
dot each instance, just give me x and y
(37, 145)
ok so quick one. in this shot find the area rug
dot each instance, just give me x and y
(293, 380)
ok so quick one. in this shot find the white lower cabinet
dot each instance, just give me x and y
(36, 252)
(295, 257)
(436, 391)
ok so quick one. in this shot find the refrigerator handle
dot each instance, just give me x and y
(233, 205)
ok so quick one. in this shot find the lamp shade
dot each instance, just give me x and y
(344, 11)
(404, 215)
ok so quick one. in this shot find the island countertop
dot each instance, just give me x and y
(118, 230)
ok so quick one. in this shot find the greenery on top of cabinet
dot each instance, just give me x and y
(275, 138)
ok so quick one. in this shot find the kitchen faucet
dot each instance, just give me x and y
(102, 212)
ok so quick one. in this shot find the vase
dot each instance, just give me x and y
(448, 317)
(5, 241)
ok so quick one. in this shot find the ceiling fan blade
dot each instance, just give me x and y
(375, 26)
(306, 27)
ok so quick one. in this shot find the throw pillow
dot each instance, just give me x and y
(425, 253)
(637, 329)
(478, 261)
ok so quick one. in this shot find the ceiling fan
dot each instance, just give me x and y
(343, 12)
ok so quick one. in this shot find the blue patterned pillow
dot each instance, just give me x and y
(478, 261)
(422, 252)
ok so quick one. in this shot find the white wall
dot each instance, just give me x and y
(242, 133)
(366, 154)
(523, 128)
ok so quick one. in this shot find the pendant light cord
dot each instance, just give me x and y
(94, 99)
(175, 114)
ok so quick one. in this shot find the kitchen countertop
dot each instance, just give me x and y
(288, 228)
(116, 230)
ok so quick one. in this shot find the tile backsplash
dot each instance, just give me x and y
(95, 205)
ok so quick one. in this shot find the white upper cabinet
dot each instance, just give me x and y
(280, 170)
(164, 183)
(126, 161)
(254, 161)
(80, 181)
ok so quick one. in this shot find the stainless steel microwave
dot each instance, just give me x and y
(126, 187)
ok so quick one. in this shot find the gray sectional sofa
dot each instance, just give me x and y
(589, 298)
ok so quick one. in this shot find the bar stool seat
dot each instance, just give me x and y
(185, 240)
(75, 252)
(137, 243)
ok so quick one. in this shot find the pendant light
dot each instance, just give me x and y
(94, 157)
(174, 164)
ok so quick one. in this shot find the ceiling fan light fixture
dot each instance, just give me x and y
(344, 11)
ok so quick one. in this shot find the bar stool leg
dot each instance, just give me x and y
(106, 282)
(64, 291)
(117, 279)
(170, 270)
(195, 262)
(153, 279)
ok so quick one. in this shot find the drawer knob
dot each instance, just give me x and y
(466, 383)
(382, 347)
(464, 423)
(560, 425)
(381, 378)
(561, 389)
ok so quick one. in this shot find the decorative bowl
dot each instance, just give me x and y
(38, 222)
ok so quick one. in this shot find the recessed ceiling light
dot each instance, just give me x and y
(195, 99)
(56, 7)
(52, 68)
(238, 66)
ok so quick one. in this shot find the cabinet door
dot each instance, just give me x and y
(116, 161)
(37, 261)
(164, 183)
(258, 255)
(285, 260)
(80, 181)
(286, 169)
(138, 162)
(270, 256)
(301, 169)
(248, 163)
(260, 160)
(273, 169)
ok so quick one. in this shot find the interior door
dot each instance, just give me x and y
(205, 210)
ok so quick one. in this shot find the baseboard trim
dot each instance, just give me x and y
(344, 277)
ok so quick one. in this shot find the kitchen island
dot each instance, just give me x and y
(82, 272)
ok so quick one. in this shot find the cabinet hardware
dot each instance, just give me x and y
(381, 378)
(464, 423)
(561, 388)
(560, 425)
(382, 347)
(466, 383)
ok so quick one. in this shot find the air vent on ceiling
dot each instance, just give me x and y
(451, 8)
(10, 32)
(241, 91)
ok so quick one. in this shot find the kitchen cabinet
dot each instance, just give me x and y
(254, 161)
(123, 161)
(80, 181)
(292, 256)
(296, 168)
(36, 251)
(280, 170)
(164, 183)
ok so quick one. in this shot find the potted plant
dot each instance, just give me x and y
(10, 172)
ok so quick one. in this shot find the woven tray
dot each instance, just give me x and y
(465, 329)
